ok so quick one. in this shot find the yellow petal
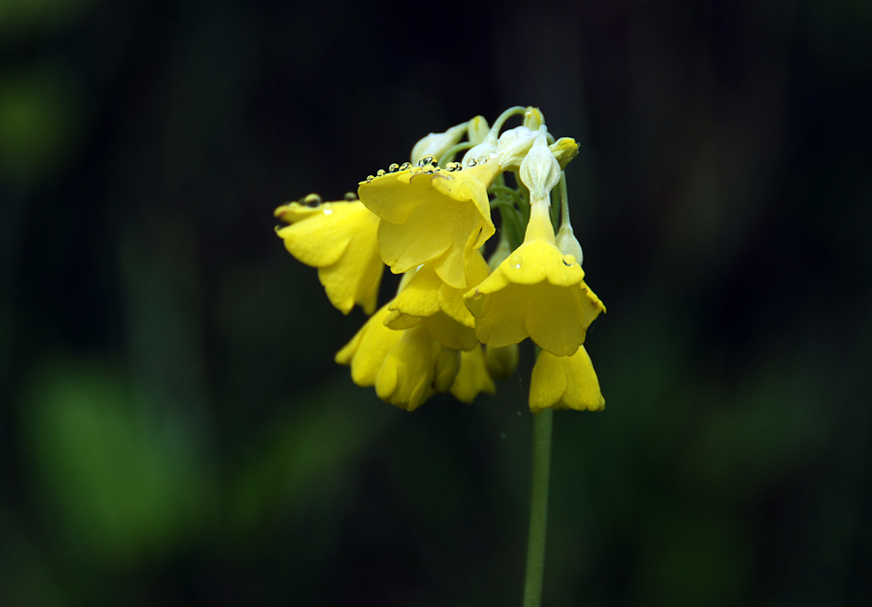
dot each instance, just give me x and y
(340, 239)
(431, 216)
(538, 293)
(565, 382)
(413, 370)
(473, 377)
(367, 350)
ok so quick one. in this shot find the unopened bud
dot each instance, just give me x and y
(436, 144)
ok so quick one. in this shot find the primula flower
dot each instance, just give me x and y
(426, 300)
(406, 367)
(473, 377)
(415, 369)
(537, 291)
(340, 239)
(565, 382)
(367, 350)
(431, 215)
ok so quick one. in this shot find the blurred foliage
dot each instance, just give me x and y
(173, 429)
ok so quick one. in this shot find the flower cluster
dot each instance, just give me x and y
(457, 319)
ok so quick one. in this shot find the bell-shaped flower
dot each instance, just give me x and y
(425, 299)
(368, 349)
(416, 368)
(432, 215)
(341, 240)
(406, 367)
(537, 291)
(436, 144)
(565, 382)
(473, 377)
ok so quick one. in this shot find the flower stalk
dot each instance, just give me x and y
(542, 425)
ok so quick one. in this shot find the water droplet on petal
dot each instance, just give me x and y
(350, 196)
(369, 178)
(428, 160)
(312, 200)
(453, 166)
(568, 260)
(393, 167)
(405, 166)
(328, 211)
(380, 173)
(470, 162)
(516, 261)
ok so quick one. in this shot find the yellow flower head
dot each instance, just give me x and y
(406, 367)
(537, 291)
(340, 239)
(367, 350)
(457, 320)
(415, 369)
(565, 382)
(431, 215)
(473, 377)
(425, 299)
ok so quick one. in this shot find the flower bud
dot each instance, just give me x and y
(533, 118)
(436, 144)
(568, 243)
(540, 170)
(513, 146)
(478, 130)
(564, 150)
(481, 152)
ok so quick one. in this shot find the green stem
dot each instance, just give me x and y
(538, 508)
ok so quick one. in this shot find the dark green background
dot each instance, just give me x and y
(173, 430)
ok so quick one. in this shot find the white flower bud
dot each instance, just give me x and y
(436, 144)
(540, 170)
(481, 152)
(513, 146)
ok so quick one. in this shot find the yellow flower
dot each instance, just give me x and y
(565, 382)
(415, 369)
(426, 300)
(537, 291)
(432, 215)
(340, 239)
(473, 377)
(367, 350)
(406, 367)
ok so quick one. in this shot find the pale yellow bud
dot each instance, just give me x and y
(564, 150)
(533, 118)
(478, 130)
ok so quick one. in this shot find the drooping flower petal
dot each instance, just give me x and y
(340, 239)
(439, 306)
(367, 350)
(565, 382)
(535, 293)
(431, 215)
(416, 367)
(473, 377)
